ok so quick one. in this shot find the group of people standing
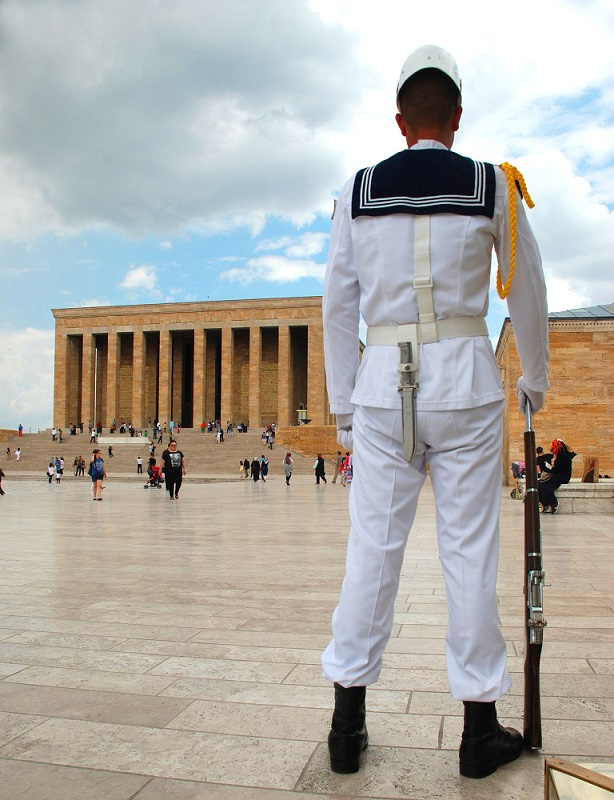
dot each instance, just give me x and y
(257, 469)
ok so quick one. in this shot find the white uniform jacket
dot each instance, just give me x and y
(370, 272)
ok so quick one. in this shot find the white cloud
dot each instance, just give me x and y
(276, 269)
(26, 366)
(306, 244)
(220, 114)
(141, 279)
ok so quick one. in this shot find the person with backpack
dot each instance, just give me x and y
(98, 473)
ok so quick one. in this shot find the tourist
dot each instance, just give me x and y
(2, 475)
(50, 471)
(18, 454)
(264, 468)
(173, 467)
(319, 468)
(97, 473)
(559, 474)
(255, 469)
(288, 462)
(246, 466)
(338, 465)
(139, 465)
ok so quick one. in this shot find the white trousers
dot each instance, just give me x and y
(463, 448)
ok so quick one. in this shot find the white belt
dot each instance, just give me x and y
(453, 328)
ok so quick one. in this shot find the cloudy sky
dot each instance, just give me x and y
(158, 151)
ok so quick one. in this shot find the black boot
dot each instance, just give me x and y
(348, 736)
(486, 744)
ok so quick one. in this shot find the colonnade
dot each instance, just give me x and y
(139, 363)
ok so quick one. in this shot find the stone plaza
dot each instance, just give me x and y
(170, 651)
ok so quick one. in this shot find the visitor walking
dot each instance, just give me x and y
(173, 467)
(98, 473)
(288, 462)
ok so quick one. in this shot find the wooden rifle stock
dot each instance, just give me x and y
(533, 591)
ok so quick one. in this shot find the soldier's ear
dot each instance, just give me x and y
(402, 124)
(456, 118)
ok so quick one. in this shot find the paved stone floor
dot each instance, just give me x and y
(170, 650)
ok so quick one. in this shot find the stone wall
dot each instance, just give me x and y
(579, 406)
(309, 440)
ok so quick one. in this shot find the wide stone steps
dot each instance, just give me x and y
(204, 456)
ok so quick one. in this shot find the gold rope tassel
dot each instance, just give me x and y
(513, 176)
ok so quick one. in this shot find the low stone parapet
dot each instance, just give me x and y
(586, 498)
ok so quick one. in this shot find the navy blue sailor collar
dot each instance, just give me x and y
(425, 179)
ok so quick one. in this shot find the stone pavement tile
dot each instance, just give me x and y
(562, 666)
(602, 666)
(124, 709)
(579, 737)
(11, 669)
(160, 789)
(263, 638)
(277, 694)
(415, 646)
(319, 627)
(276, 722)
(578, 708)
(91, 679)
(509, 707)
(26, 781)
(206, 650)
(164, 753)
(419, 628)
(62, 625)
(573, 649)
(223, 669)
(394, 679)
(77, 659)
(13, 725)
(80, 642)
(422, 775)
(598, 686)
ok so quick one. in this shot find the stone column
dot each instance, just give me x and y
(315, 374)
(112, 378)
(226, 389)
(284, 399)
(255, 362)
(138, 379)
(198, 390)
(88, 366)
(59, 380)
(164, 377)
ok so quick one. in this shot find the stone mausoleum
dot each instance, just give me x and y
(579, 406)
(251, 361)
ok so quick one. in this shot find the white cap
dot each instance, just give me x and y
(430, 57)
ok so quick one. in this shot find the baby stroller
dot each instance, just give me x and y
(155, 479)
(519, 473)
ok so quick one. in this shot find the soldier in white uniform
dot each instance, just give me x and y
(410, 251)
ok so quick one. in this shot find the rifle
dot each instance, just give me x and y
(534, 593)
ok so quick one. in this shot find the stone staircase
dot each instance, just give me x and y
(204, 456)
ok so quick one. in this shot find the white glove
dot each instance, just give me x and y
(523, 391)
(345, 436)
